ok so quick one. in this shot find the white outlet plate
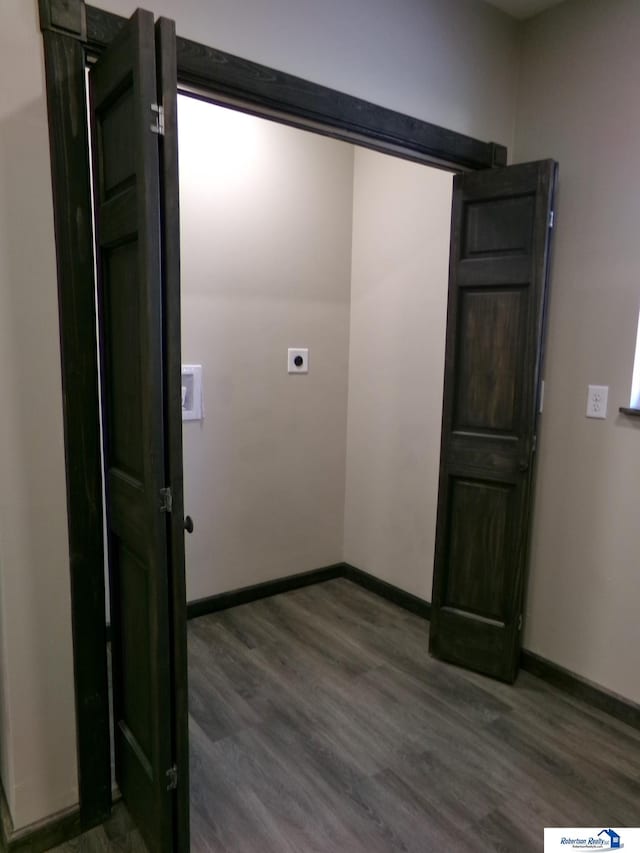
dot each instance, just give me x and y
(597, 401)
(192, 408)
(298, 360)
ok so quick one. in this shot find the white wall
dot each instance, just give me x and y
(266, 264)
(401, 219)
(579, 104)
(37, 735)
(452, 63)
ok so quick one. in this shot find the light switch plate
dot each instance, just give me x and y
(298, 360)
(597, 401)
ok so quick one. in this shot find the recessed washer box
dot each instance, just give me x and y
(192, 409)
(298, 360)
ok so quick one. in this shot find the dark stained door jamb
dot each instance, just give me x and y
(73, 32)
(64, 31)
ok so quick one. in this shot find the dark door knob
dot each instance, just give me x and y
(188, 524)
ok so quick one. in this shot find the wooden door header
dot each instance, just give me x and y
(285, 97)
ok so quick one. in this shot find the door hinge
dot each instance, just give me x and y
(158, 123)
(520, 622)
(166, 499)
(551, 216)
(172, 778)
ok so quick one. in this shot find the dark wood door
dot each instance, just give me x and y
(133, 213)
(170, 240)
(500, 235)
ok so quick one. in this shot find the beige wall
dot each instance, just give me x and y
(266, 264)
(401, 219)
(579, 104)
(262, 269)
(6, 750)
(451, 63)
(38, 759)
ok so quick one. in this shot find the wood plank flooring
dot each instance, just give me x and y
(319, 723)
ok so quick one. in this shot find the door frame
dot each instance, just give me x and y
(73, 34)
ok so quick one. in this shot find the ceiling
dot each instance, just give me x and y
(523, 8)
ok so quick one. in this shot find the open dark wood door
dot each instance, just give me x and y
(135, 178)
(170, 216)
(501, 225)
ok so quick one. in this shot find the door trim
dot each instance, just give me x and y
(73, 34)
(69, 150)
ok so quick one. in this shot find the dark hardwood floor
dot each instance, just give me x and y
(117, 835)
(319, 722)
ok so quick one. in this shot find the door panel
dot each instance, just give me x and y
(499, 227)
(490, 361)
(130, 296)
(497, 296)
(479, 547)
